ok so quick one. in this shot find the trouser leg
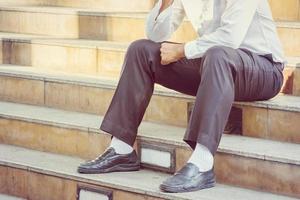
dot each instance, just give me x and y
(226, 75)
(141, 70)
(132, 95)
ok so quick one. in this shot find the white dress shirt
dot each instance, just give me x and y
(244, 24)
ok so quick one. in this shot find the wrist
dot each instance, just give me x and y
(181, 53)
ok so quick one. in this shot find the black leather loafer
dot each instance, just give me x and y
(110, 161)
(189, 179)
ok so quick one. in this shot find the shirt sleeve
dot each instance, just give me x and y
(235, 23)
(159, 27)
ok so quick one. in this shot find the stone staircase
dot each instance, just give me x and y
(59, 66)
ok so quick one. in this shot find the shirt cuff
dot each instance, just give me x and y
(191, 50)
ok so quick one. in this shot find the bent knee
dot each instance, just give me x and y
(140, 43)
(218, 53)
(216, 59)
(143, 45)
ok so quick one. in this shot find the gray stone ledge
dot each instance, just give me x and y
(142, 182)
(262, 149)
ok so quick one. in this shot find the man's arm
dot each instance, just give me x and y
(164, 19)
(235, 23)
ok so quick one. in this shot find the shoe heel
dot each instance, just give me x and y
(210, 184)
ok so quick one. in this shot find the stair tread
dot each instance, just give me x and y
(87, 43)
(293, 61)
(49, 40)
(8, 197)
(142, 182)
(288, 24)
(231, 144)
(280, 102)
(72, 10)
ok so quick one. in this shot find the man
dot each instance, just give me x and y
(238, 57)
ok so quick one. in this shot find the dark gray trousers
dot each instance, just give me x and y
(221, 76)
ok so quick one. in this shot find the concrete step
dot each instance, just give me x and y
(282, 9)
(93, 95)
(240, 161)
(29, 169)
(91, 57)
(70, 22)
(19, 2)
(292, 77)
(285, 9)
(88, 57)
(105, 5)
(111, 5)
(288, 33)
(91, 24)
(7, 197)
(81, 93)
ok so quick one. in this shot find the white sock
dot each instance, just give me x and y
(202, 158)
(120, 147)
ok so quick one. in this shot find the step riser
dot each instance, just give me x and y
(100, 27)
(271, 124)
(30, 91)
(290, 80)
(73, 142)
(107, 5)
(230, 169)
(162, 109)
(290, 37)
(290, 40)
(1, 52)
(285, 10)
(296, 82)
(20, 2)
(89, 61)
(266, 123)
(282, 9)
(113, 5)
(253, 173)
(120, 32)
(60, 25)
(27, 184)
(92, 61)
(269, 176)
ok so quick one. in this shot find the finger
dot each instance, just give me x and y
(161, 49)
(164, 62)
(163, 45)
(162, 55)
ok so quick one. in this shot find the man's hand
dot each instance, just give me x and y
(171, 52)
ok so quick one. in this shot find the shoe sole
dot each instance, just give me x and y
(116, 168)
(181, 189)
